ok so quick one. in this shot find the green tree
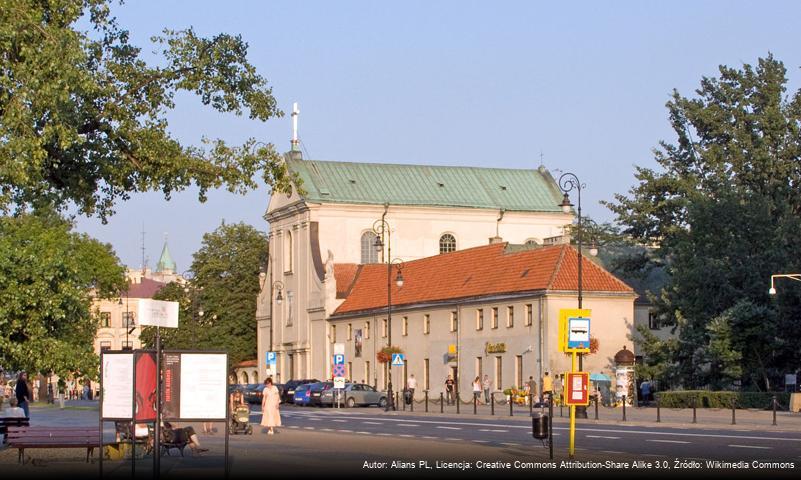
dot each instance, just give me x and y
(225, 286)
(83, 115)
(725, 210)
(47, 275)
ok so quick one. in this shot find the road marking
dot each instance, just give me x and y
(491, 430)
(315, 419)
(450, 428)
(481, 441)
(326, 430)
(406, 436)
(750, 446)
(408, 425)
(454, 439)
(345, 431)
(511, 444)
(373, 423)
(308, 428)
(667, 441)
(601, 436)
(364, 433)
(294, 426)
(430, 438)
(340, 421)
(384, 434)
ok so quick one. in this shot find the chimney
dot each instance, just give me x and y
(295, 141)
(495, 239)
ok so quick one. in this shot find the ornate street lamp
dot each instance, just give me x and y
(567, 183)
(791, 276)
(382, 230)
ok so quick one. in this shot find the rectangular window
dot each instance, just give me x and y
(127, 319)
(384, 329)
(350, 332)
(499, 373)
(479, 366)
(105, 319)
(519, 370)
(350, 370)
(105, 346)
(510, 316)
(529, 315)
(366, 330)
(494, 320)
(405, 326)
(653, 321)
(426, 324)
(454, 321)
(333, 333)
(425, 374)
(480, 319)
(367, 372)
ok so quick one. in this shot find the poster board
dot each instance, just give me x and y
(577, 388)
(195, 386)
(116, 399)
(145, 386)
(158, 313)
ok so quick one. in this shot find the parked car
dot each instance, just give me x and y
(318, 390)
(302, 395)
(288, 394)
(360, 394)
(253, 394)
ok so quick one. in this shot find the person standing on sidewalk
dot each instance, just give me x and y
(487, 384)
(477, 390)
(547, 387)
(270, 416)
(411, 385)
(62, 389)
(532, 388)
(23, 393)
(449, 384)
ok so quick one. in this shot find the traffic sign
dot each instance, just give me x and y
(271, 358)
(339, 359)
(578, 333)
(568, 316)
(578, 391)
(339, 382)
(397, 360)
(339, 349)
(339, 370)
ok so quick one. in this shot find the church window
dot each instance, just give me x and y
(369, 253)
(288, 252)
(447, 243)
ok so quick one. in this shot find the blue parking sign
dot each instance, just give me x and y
(271, 358)
(339, 359)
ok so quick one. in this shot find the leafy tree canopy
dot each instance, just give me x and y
(83, 115)
(47, 275)
(224, 287)
(725, 211)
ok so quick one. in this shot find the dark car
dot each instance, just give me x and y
(253, 394)
(318, 391)
(288, 393)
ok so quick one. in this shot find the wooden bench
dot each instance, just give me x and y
(6, 422)
(23, 438)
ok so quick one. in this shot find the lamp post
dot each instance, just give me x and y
(197, 311)
(791, 276)
(382, 230)
(567, 183)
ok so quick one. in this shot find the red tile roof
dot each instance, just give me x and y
(247, 363)
(345, 274)
(145, 289)
(475, 272)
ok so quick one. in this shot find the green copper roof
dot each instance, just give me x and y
(375, 183)
(165, 261)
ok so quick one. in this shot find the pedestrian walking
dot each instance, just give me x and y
(547, 387)
(62, 389)
(477, 389)
(23, 393)
(270, 416)
(645, 391)
(411, 385)
(532, 387)
(487, 384)
(449, 384)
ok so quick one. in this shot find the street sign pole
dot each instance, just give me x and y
(572, 448)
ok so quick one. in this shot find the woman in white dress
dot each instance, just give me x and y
(270, 416)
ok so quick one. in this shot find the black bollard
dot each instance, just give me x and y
(774, 410)
(560, 409)
(550, 425)
(492, 403)
(530, 404)
(658, 418)
(411, 404)
(458, 401)
(596, 407)
(403, 400)
(694, 407)
(511, 404)
(475, 404)
(733, 407)
(624, 408)
(441, 402)
(426, 401)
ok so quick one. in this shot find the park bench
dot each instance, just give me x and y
(6, 422)
(23, 438)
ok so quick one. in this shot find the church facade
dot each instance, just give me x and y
(450, 231)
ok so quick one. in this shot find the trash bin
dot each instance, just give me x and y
(407, 397)
(539, 425)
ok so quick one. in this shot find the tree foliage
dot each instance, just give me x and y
(725, 210)
(83, 115)
(225, 287)
(47, 275)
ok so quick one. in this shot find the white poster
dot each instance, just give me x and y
(118, 384)
(203, 385)
(158, 313)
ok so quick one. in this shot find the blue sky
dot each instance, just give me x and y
(451, 83)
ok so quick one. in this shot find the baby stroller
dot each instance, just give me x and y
(240, 420)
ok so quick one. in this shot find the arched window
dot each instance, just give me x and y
(369, 253)
(288, 251)
(447, 243)
(244, 378)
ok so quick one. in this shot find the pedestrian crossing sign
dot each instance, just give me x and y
(397, 360)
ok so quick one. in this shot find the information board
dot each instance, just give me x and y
(203, 386)
(577, 386)
(170, 391)
(145, 386)
(158, 313)
(118, 385)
